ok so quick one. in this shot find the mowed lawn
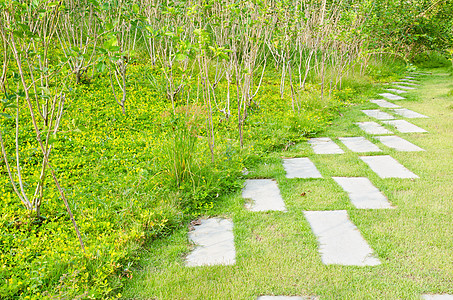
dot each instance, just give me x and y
(277, 253)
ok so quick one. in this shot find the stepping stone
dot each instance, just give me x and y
(398, 143)
(409, 80)
(264, 194)
(405, 87)
(359, 144)
(215, 243)
(373, 128)
(396, 91)
(286, 297)
(324, 145)
(437, 297)
(407, 113)
(340, 242)
(404, 126)
(405, 83)
(409, 77)
(391, 96)
(300, 167)
(362, 193)
(377, 114)
(385, 104)
(386, 166)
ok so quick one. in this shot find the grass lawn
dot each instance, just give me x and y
(277, 251)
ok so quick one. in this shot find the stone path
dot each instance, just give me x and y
(407, 113)
(404, 126)
(396, 91)
(377, 114)
(265, 195)
(398, 143)
(301, 167)
(362, 193)
(324, 145)
(359, 144)
(387, 167)
(373, 128)
(215, 243)
(385, 104)
(391, 96)
(339, 240)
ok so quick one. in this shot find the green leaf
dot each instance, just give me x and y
(180, 57)
(5, 115)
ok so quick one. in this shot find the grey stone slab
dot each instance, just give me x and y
(409, 80)
(407, 113)
(391, 96)
(300, 167)
(406, 83)
(405, 87)
(215, 243)
(437, 297)
(377, 114)
(409, 77)
(286, 298)
(386, 166)
(359, 144)
(396, 91)
(324, 145)
(362, 193)
(373, 128)
(385, 104)
(264, 194)
(398, 143)
(340, 242)
(404, 126)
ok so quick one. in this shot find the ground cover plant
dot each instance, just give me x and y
(121, 121)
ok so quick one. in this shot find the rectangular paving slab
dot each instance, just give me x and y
(404, 126)
(359, 144)
(391, 96)
(215, 243)
(362, 193)
(386, 166)
(265, 195)
(324, 145)
(437, 297)
(377, 114)
(396, 91)
(405, 87)
(286, 298)
(385, 104)
(407, 113)
(340, 242)
(398, 143)
(300, 167)
(373, 128)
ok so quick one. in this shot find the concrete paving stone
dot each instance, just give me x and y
(215, 243)
(396, 91)
(385, 104)
(407, 113)
(359, 144)
(362, 193)
(409, 83)
(409, 80)
(404, 126)
(386, 166)
(405, 87)
(287, 298)
(409, 77)
(377, 114)
(300, 167)
(391, 96)
(398, 143)
(437, 297)
(340, 242)
(324, 145)
(265, 195)
(373, 128)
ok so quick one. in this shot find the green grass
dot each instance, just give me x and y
(277, 252)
